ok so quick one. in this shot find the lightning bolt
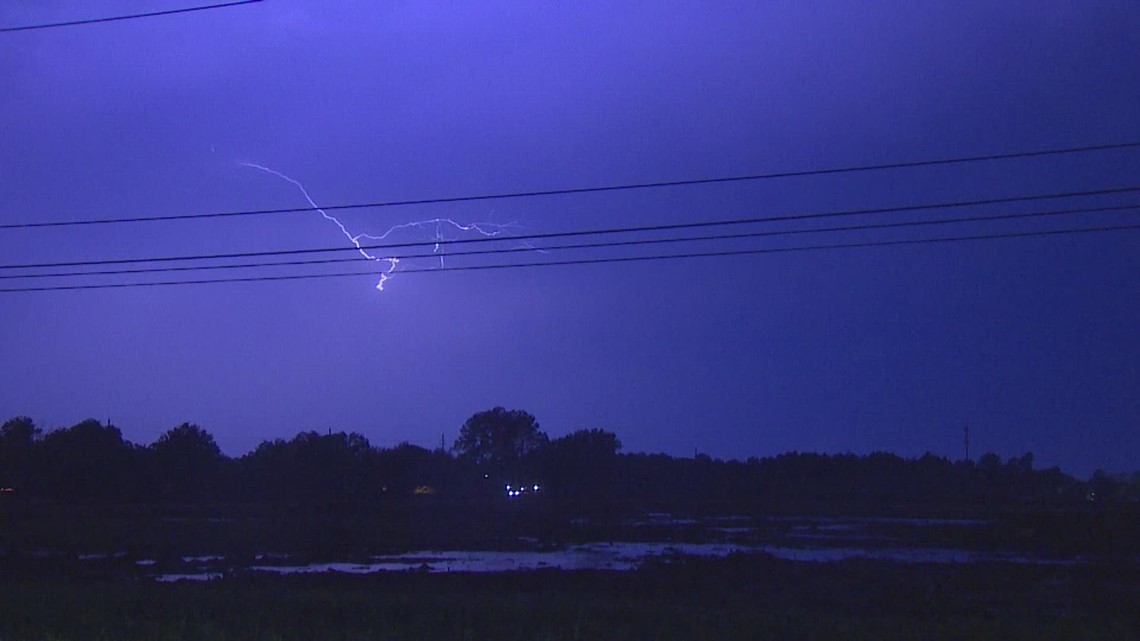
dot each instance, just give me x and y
(436, 227)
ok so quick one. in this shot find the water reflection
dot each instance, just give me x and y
(620, 556)
(638, 541)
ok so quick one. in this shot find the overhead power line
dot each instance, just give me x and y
(579, 246)
(586, 261)
(581, 190)
(134, 16)
(590, 232)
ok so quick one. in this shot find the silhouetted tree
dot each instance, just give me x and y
(500, 440)
(989, 462)
(18, 438)
(91, 461)
(588, 445)
(1021, 465)
(186, 463)
(311, 468)
(582, 463)
(20, 429)
(1104, 487)
(1130, 491)
(405, 468)
(332, 472)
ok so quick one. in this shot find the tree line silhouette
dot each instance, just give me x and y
(90, 462)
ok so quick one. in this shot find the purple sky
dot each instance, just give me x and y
(1033, 342)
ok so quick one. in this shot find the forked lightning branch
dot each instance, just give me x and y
(436, 227)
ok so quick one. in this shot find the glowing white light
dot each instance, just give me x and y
(536, 488)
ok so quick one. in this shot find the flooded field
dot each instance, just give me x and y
(618, 545)
(646, 539)
(993, 576)
(614, 556)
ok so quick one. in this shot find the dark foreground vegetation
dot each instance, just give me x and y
(90, 463)
(734, 598)
(335, 497)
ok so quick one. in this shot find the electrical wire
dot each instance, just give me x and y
(589, 232)
(583, 261)
(581, 190)
(135, 16)
(578, 246)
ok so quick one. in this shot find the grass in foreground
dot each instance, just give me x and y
(738, 598)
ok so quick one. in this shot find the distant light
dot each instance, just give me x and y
(508, 488)
(536, 488)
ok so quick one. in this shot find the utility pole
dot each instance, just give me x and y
(966, 441)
